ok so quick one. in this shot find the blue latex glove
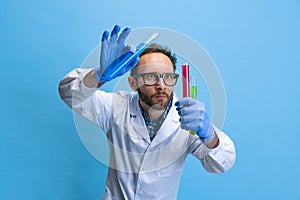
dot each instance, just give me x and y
(113, 50)
(193, 116)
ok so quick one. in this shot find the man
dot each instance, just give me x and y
(148, 131)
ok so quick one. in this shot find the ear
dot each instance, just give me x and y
(132, 83)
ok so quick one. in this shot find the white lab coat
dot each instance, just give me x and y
(140, 169)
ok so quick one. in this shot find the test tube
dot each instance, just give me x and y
(185, 80)
(193, 87)
(193, 95)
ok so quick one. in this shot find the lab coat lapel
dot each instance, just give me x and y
(138, 123)
(168, 127)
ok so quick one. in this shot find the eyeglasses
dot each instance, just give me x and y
(151, 79)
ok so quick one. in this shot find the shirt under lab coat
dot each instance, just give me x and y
(139, 168)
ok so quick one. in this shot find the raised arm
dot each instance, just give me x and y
(78, 89)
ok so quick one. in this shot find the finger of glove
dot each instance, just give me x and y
(187, 101)
(103, 51)
(105, 36)
(114, 33)
(189, 119)
(104, 41)
(130, 48)
(189, 126)
(123, 35)
(188, 110)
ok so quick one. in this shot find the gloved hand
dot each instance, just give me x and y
(113, 50)
(193, 116)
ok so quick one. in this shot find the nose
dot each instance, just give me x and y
(161, 84)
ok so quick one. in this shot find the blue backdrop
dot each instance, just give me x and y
(255, 45)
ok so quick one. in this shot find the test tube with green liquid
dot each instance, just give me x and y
(193, 87)
(193, 94)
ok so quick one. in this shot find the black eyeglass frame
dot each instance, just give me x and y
(136, 76)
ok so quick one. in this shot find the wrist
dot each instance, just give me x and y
(98, 74)
(213, 143)
(90, 80)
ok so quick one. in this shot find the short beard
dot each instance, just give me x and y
(148, 101)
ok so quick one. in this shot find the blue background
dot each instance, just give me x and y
(255, 45)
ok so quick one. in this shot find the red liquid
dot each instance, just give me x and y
(185, 80)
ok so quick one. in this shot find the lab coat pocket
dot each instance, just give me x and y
(168, 178)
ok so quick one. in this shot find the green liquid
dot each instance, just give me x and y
(194, 91)
(194, 96)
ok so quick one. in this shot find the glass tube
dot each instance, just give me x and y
(185, 80)
(193, 87)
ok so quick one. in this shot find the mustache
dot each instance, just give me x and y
(160, 93)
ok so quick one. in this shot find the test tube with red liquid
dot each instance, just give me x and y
(185, 80)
